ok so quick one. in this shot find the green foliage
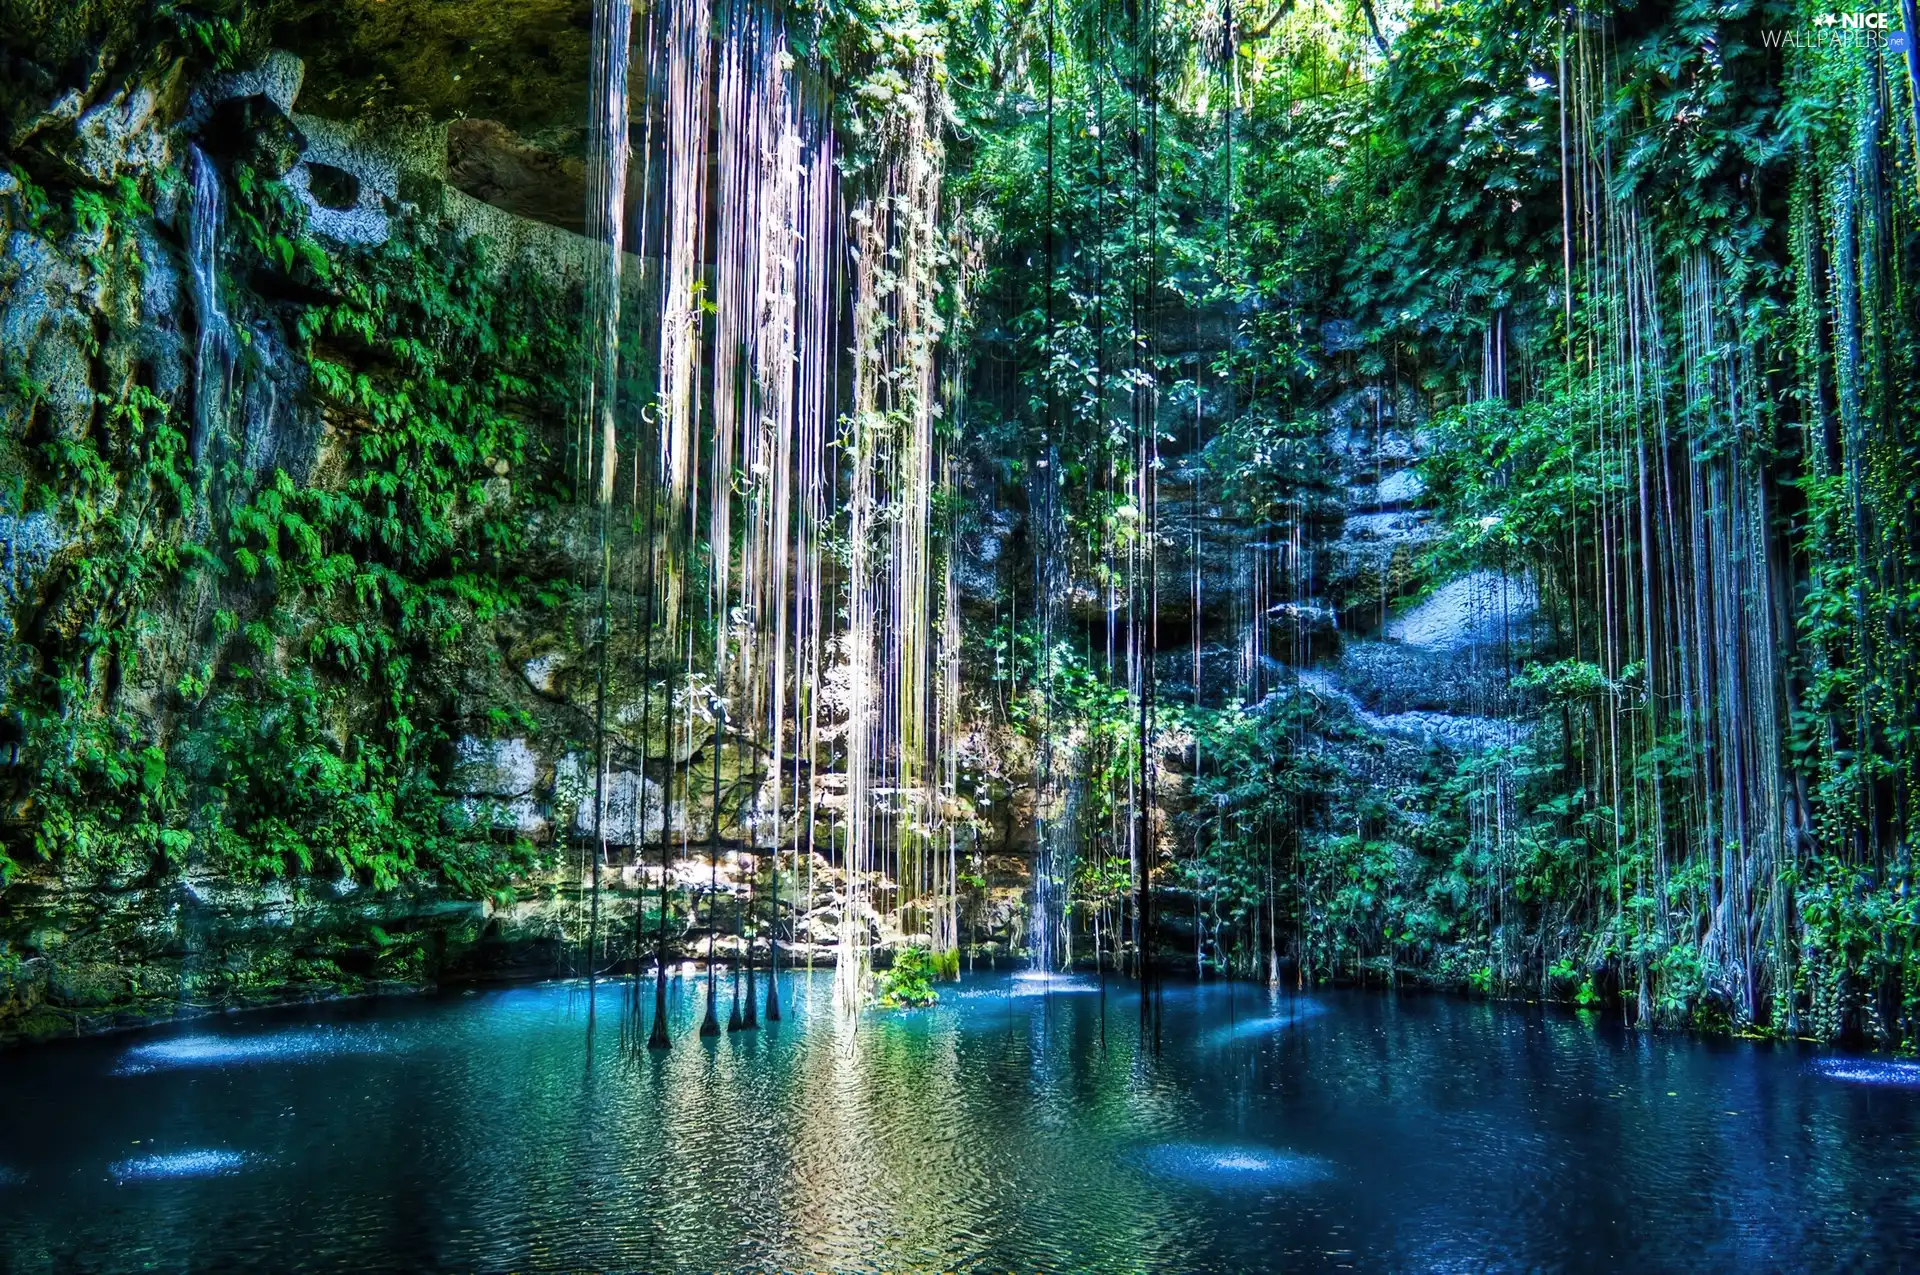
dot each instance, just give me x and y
(874, 52)
(1044, 685)
(1860, 974)
(1255, 789)
(1469, 145)
(1642, 277)
(292, 724)
(1565, 680)
(908, 982)
(124, 490)
(206, 33)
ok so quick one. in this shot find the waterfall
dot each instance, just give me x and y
(213, 348)
(945, 927)
(688, 57)
(1057, 828)
(887, 645)
(1057, 808)
(818, 340)
(745, 401)
(598, 457)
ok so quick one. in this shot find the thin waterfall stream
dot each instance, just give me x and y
(1078, 590)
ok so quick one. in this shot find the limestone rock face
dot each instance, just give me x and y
(523, 62)
(88, 302)
(493, 768)
(80, 955)
(1422, 670)
(1482, 608)
(487, 161)
(496, 780)
(540, 672)
(636, 809)
(149, 334)
(47, 300)
(518, 816)
(277, 79)
(1402, 487)
(121, 137)
(27, 544)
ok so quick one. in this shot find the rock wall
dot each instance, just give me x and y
(81, 955)
(1419, 656)
(100, 309)
(92, 311)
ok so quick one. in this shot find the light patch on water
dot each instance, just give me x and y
(1235, 1168)
(1862, 1071)
(236, 1051)
(1270, 1025)
(178, 1164)
(1040, 983)
(11, 1177)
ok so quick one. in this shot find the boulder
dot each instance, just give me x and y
(277, 80)
(347, 185)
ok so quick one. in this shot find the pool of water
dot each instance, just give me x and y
(1019, 1124)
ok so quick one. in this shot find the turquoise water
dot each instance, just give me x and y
(1017, 1125)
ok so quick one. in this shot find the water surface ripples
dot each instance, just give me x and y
(1019, 1124)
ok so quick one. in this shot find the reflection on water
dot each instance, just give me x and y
(1234, 1168)
(1033, 983)
(178, 1164)
(1869, 1071)
(1262, 1025)
(1007, 1127)
(223, 1051)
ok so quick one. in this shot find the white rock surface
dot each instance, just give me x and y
(628, 794)
(1481, 608)
(493, 767)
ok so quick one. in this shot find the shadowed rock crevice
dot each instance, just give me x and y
(489, 162)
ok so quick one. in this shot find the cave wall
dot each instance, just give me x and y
(360, 115)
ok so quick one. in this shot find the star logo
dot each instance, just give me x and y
(1827, 20)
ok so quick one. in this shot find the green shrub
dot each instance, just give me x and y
(909, 983)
